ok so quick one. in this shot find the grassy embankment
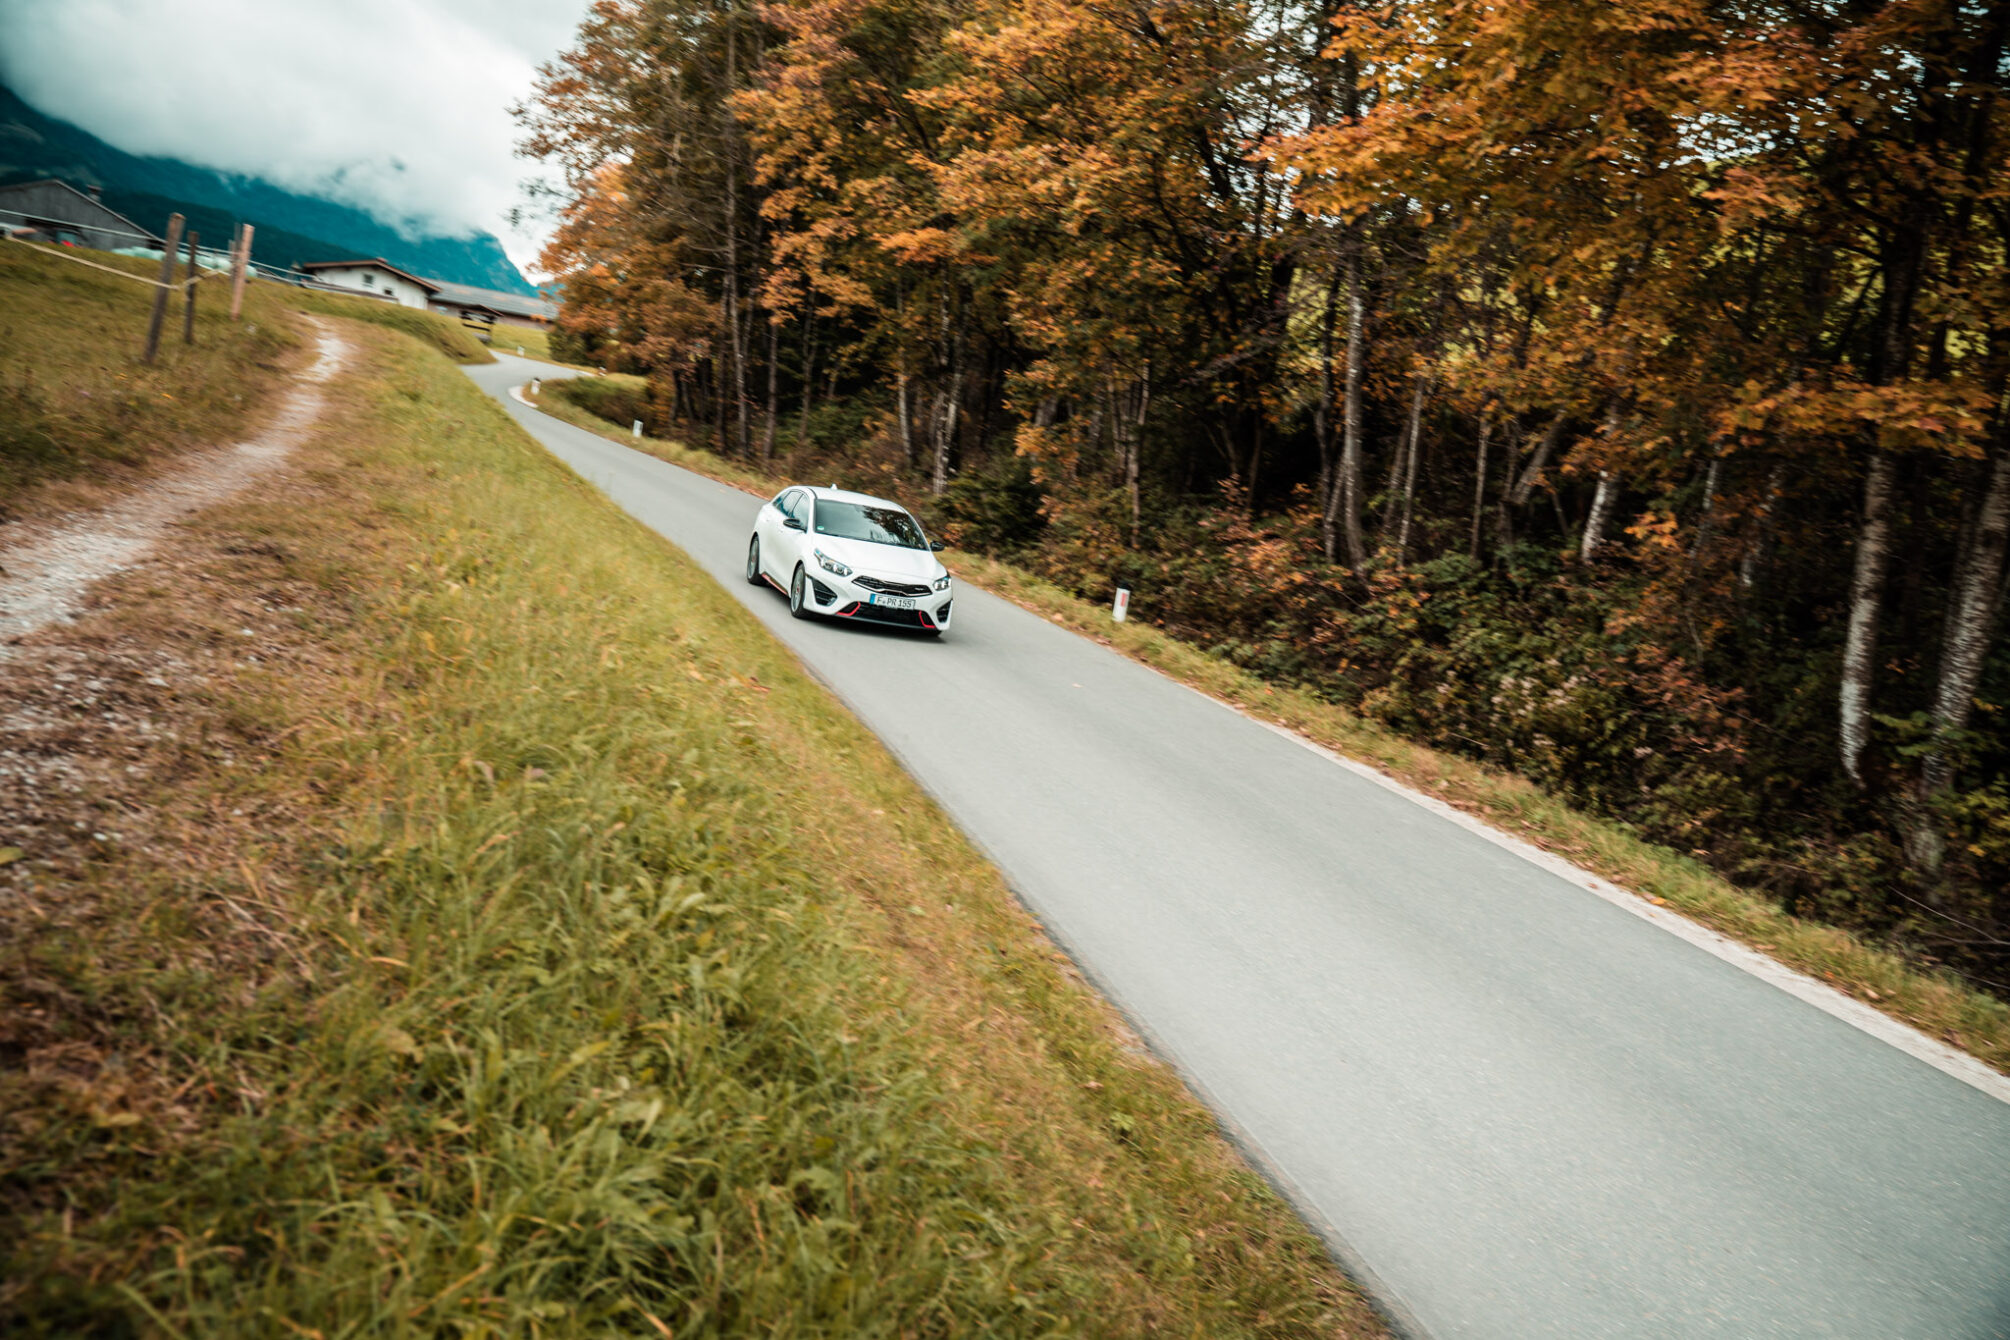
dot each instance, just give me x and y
(547, 955)
(443, 333)
(535, 342)
(78, 408)
(1937, 1002)
(76, 404)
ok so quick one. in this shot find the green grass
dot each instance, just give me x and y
(608, 978)
(1936, 1001)
(572, 400)
(75, 399)
(534, 341)
(444, 333)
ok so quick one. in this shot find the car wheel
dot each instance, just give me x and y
(799, 593)
(754, 561)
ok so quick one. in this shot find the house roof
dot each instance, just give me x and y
(90, 201)
(503, 304)
(374, 263)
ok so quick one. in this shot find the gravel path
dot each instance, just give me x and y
(43, 577)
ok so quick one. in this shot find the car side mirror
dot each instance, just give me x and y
(792, 523)
(936, 546)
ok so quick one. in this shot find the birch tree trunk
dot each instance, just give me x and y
(1706, 519)
(1512, 435)
(1602, 500)
(1403, 473)
(735, 318)
(1480, 481)
(949, 401)
(945, 435)
(1346, 494)
(1538, 460)
(1873, 556)
(1971, 618)
(906, 416)
(717, 370)
(1407, 484)
(1762, 531)
(1128, 416)
(1322, 416)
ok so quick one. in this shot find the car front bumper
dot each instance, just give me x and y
(845, 598)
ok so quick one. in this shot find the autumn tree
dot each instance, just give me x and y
(1661, 341)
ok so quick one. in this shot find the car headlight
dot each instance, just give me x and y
(831, 565)
(942, 582)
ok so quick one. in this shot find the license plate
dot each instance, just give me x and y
(890, 602)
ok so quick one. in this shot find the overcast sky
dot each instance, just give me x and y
(397, 106)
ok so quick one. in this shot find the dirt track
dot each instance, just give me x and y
(45, 573)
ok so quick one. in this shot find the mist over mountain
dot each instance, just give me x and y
(291, 228)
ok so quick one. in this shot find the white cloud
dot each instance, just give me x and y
(396, 106)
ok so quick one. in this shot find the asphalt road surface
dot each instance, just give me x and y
(1513, 1107)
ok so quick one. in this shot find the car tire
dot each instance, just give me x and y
(799, 593)
(754, 577)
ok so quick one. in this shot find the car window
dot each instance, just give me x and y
(864, 521)
(799, 505)
(781, 501)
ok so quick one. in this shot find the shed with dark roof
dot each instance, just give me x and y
(62, 213)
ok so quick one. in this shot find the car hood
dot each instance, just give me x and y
(881, 560)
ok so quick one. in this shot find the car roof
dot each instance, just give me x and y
(846, 495)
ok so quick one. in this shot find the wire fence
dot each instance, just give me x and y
(215, 259)
(62, 253)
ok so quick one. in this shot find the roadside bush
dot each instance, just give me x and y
(995, 509)
(569, 346)
(1541, 678)
(620, 400)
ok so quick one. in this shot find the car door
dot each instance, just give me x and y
(793, 536)
(776, 550)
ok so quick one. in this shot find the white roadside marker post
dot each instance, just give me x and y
(533, 388)
(1121, 610)
(635, 429)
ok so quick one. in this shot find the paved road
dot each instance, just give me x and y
(1515, 1109)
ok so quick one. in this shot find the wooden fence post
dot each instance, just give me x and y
(188, 312)
(240, 270)
(161, 294)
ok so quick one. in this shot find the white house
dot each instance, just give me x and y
(379, 279)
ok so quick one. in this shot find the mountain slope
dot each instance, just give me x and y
(291, 228)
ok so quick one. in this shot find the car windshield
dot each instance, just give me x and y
(858, 521)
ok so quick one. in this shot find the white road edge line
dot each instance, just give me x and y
(1948, 1060)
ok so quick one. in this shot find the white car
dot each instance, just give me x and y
(849, 556)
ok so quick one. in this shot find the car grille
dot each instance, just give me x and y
(891, 588)
(877, 614)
